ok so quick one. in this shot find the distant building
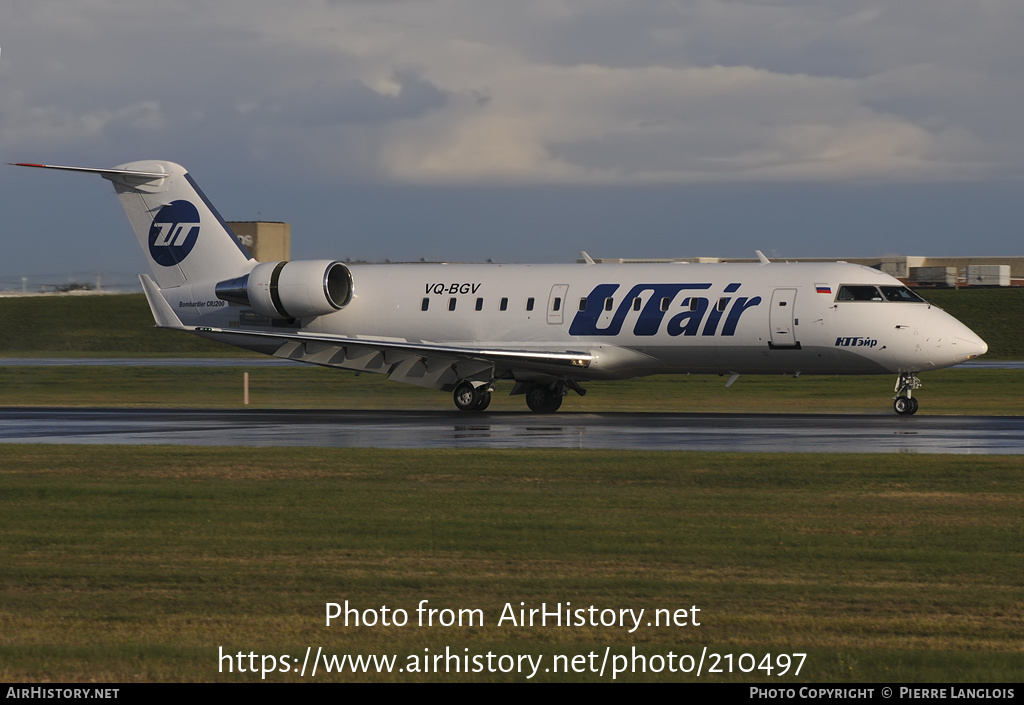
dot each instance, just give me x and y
(268, 242)
(916, 271)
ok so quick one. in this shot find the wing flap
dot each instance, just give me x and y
(362, 346)
(423, 364)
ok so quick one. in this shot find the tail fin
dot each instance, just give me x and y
(181, 233)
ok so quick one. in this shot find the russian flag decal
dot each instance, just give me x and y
(823, 288)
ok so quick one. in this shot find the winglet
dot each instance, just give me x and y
(163, 314)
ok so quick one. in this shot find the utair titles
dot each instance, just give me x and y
(598, 315)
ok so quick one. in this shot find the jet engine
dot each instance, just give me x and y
(301, 289)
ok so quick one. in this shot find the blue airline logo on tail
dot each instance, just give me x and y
(592, 320)
(173, 233)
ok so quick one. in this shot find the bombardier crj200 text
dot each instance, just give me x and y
(546, 328)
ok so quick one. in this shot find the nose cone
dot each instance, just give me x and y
(951, 341)
(969, 345)
(963, 343)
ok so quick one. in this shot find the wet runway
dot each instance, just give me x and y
(883, 433)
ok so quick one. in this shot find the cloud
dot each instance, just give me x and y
(350, 102)
(538, 91)
(29, 126)
(596, 124)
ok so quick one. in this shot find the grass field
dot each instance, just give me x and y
(994, 314)
(955, 391)
(117, 325)
(137, 564)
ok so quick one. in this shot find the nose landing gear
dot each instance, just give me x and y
(905, 384)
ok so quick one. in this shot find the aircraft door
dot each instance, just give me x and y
(556, 303)
(782, 319)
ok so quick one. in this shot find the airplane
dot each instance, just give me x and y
(547, 328)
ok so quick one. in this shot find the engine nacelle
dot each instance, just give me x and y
(301, 289)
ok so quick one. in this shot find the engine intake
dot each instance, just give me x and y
(301, 289)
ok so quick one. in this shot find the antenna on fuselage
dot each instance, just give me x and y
(760, 256)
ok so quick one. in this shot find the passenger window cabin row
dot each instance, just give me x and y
(556, 303)
(846, 293)
(502, 305)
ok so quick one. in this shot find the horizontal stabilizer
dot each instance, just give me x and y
(105, 173)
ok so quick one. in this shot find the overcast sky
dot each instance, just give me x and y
(523, 130)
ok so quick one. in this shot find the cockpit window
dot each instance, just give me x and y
(865, 292)
(858, 293)
(901, 293)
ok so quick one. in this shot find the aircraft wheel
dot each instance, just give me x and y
(554, 403)
(466, 397)
(904, 406)
(542, 398)
(485, 401)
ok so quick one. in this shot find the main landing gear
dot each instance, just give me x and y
(905, 384)
(544, 398)
(472, 398)
(541, 397)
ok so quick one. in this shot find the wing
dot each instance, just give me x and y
(423, 364)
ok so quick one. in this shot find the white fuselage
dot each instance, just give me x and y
(640, 319)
